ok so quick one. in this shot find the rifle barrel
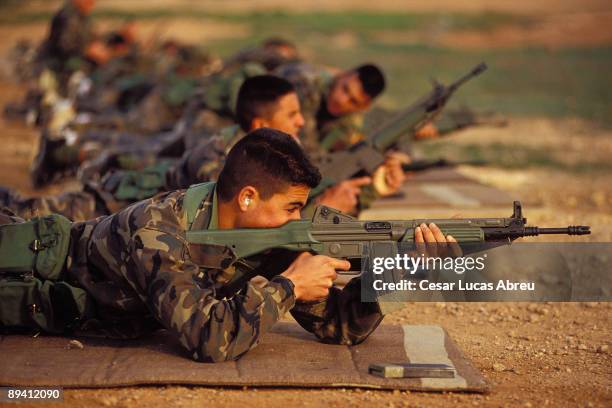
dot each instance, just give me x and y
(571, 230)
(512, 233)
(477, 70)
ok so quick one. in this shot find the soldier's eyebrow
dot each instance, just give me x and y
(297, 204)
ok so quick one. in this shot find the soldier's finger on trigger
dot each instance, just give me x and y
(361, 181)
(340, 264)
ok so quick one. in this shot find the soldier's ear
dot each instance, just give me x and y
(258, 123)
(247, 198)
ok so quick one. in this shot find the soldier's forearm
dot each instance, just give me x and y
(342, 318)
(223, 330)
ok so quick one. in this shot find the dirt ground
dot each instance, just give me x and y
(534, 354)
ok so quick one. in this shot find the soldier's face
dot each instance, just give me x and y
(347, 95)
(285, 115)
(277, 210)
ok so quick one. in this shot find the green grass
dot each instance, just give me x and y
(324, 22)
(525, 82)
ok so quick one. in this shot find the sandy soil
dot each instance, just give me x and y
(552, 355)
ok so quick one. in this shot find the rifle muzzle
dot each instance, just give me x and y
(571, 230)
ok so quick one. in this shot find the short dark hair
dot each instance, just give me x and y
(270, 161)
(372, 79)
(256, 95)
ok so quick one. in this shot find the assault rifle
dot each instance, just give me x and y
(338, 235)
(366, 156)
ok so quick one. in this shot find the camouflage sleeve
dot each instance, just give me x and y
(342, 133)
(182, 297)
(341, 318)
(200, 164)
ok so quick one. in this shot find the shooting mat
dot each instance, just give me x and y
(287, 357)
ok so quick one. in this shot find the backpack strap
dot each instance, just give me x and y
(194, 196)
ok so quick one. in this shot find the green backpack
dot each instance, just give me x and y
(32, 294)
(138, 185)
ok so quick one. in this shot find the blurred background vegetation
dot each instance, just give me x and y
(552, 64)
(522, 80)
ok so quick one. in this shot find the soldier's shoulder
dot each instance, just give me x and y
(163, 212)
(309, 81)
(300, 69)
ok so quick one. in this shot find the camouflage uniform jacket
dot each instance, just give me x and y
(322, 131)
(270, 59)
(204, 161)
(137, 264)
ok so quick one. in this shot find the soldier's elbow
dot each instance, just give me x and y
(214, 356)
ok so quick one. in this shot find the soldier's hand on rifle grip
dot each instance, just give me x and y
(313, 275)
(427, 131)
